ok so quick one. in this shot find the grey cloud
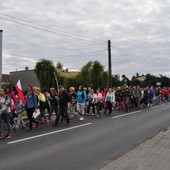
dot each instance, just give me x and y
(139, 27)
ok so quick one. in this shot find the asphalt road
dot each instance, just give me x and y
(87, 145)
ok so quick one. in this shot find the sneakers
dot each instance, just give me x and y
(81, 118)
(7, 136)
(92, 114)
(2, 136)
(98, 116)
(13, 126)
(87, 114)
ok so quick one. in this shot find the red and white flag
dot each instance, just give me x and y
(20, 92)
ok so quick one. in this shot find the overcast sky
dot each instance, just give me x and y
(74, 32)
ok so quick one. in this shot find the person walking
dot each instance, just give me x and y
(81, 99)
(72, 103)
(110, 99)
(98, 100)
(138, 97)
(91, 97)
(54, 100)
(5, 112)
(19, 108)
(42, 104)
(31, 107)
(63, 106)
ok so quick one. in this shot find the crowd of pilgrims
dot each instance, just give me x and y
(71, 104)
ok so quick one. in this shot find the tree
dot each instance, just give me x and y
(115, 81)
(97, 72)
(92, 74)
(135, 81)
(59, 65)
(44, 70)
(85, 74)
(137, 75)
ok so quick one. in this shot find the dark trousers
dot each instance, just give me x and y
(53, 108)
(63, 111)
(98, 108)
(109, 107)
(30, 112)
(6, 118)
(89, 106)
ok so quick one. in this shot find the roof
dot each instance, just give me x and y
(141, 78)
(5, 77)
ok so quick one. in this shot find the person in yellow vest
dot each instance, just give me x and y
(42, 104)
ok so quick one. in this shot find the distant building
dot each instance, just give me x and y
(26, 76)
(141, 78)
(67, 73)
(5, 79)
(29, 77)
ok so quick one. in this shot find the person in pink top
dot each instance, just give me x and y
(97, 100)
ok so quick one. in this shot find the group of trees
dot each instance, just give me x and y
(92, 74)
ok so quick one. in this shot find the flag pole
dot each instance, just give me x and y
(56, 80)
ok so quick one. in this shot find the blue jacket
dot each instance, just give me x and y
(81, 96)
(31, 101)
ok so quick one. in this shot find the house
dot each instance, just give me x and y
(67, 73)
(141, 78)
(27, 77)
(5, 79)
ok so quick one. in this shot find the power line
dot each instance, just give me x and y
(92, 52)
(62, 47)
(132, 55)
(39, 26)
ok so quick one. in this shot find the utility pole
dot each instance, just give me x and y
(1, 58)
(109, 64)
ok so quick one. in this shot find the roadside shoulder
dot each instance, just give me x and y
(152, 154)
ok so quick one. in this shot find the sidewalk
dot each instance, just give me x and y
(154, 154)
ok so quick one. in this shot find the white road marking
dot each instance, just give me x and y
(49, 133)
(115, 117)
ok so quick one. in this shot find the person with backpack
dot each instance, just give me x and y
(5, 112)
(81, 99)
(31, 107)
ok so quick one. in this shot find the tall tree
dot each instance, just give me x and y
(93, 74)
(45, 70)
(97, 74)
(85, 74)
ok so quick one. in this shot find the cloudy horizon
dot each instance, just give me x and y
(75, 32)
